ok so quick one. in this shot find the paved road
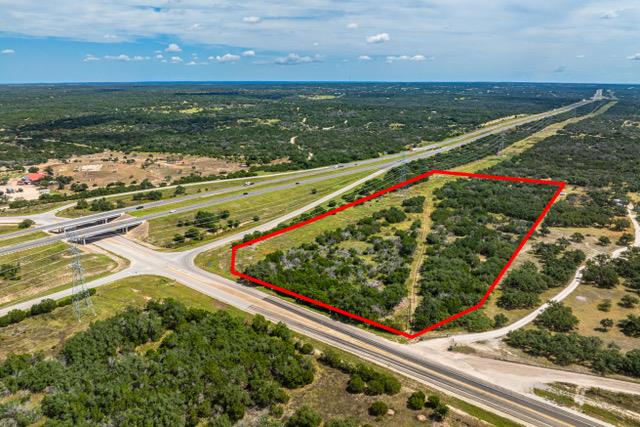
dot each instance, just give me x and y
(568, 290)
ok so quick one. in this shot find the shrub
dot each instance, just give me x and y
(304, 417)
(26, 223)
(416, 401)
(355, 384)
(378, 408)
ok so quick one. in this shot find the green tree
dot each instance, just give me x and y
(416, 401)
(356, 384)
(628, 301)
(378, 408)
(557, 317)
(26, 223)
(605, 305)
(304, 417)
(82, 204)
(500, 320)
(630, 326)
(577, 237)
(606, 324)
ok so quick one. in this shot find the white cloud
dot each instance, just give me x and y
(8, 51)
(364, 58)
(580, 56)
(173, 47)
(227, 57)
(352, 25)
(414, 58)
(159, 56)
(294, 59)
(251, 19)
(139, 58)
(378, 38)
(123, 58)
(249, 53)
(635, 57)
(109, 37)
(560, 69)
(89, 58)
(176, 59)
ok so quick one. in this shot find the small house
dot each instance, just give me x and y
(32, 178)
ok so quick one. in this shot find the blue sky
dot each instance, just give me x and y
(400, 40)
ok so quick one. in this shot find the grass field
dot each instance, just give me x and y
(47, 269)
(327, 394)
(32, 210)
(24, 238)
(265, 207)
(46, 332)
(9, 228)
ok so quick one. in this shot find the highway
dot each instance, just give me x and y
(409, 360)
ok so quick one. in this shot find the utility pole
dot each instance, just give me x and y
(82, 303)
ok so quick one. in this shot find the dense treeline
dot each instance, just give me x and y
(45, 306)
(477, 150)
(601, 154)
(205, 366)
(334, 269)
(254, 123)
(477, 225)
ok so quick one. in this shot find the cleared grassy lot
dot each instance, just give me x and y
(46, 269)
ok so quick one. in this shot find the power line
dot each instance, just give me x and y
(82, 303)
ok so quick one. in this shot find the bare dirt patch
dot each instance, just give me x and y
(104, 168)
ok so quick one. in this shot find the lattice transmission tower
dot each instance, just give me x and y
(82, 303)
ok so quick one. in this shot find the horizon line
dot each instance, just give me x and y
(165, 82)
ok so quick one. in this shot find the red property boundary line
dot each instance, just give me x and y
(560, 186)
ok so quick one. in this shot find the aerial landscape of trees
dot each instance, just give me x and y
(361, 268)
(476, 226)
(333, 122)
(204, 366)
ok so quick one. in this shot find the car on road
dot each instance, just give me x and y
(139, 207)
(172, 211)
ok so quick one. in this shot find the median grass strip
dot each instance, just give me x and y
(20, 239)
